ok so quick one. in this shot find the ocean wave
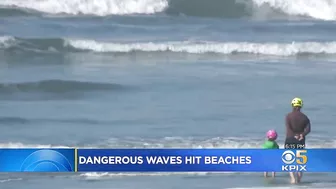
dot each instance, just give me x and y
(59, 45)
(33, 45)
(10, 180)
(176, 142)
(54, 86)
(8, 12)
(21, 120)
(274, 49)
(24, 145)
(79, 7)
(9, 120)
(106, 175)
(322, 9)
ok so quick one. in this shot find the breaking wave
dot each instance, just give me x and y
(59, 45)
(275, 49)
(322, 9)
(99, 8)
(176, 142)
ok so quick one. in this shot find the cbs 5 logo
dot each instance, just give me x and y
(300, 157)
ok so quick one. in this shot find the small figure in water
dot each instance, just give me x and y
(270, 143)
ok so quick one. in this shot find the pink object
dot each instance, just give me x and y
(272, 134)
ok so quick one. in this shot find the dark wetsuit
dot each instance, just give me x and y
(296, 123)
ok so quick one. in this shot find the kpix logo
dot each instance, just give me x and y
(294, 161)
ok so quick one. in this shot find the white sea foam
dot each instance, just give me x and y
(106, 175)
(22, 145)
(10, 180)
(200, 47)
(174, 142)
(275, 49)
(6, 41)
(318, 9)
(91, 7)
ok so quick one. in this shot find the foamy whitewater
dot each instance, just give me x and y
(163, 74)
(323, 9)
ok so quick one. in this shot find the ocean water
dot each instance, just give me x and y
(162, 74)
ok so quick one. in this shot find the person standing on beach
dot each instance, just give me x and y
(297, 128)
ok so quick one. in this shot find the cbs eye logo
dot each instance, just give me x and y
(46, 161)
(289, 157)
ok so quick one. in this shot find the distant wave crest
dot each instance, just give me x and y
(59, 45)
(275, 49)
(321, 9)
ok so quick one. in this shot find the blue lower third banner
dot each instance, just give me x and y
(206, 160)
(167, 160)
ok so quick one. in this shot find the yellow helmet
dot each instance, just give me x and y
(297, 102)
